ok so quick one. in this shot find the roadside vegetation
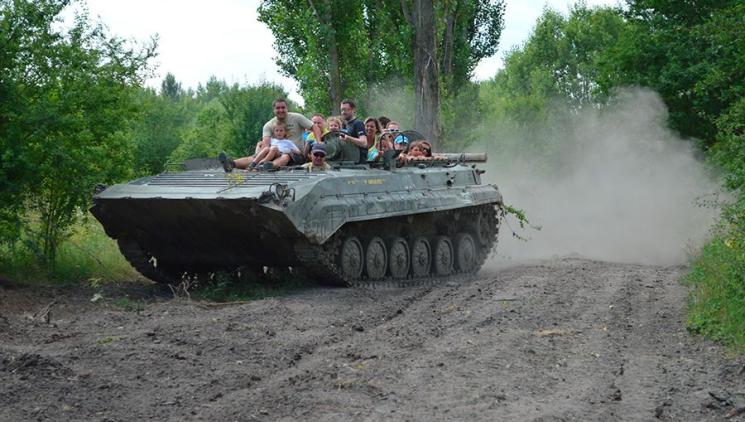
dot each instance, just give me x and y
(75, 111)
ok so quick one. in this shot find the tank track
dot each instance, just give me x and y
(144, 262)
(481, 221)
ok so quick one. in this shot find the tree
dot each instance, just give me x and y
(206, 137)
(558, 61)
(471, 32)
(690, 52)
(320, 43)
(426, 71)
(534, 99)
(67, 97)
(214, 88)
(158, 128)
(246, 110)
(338, 49)
(170, 88)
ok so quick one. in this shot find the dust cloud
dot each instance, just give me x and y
(616, 185)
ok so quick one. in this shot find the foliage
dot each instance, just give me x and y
(170, 88)
(337, 49)
(690, 52)
(207, 136)
(469, 32)
(506, 210)
(66, 101)
(533, 102)
(559, 60)
(246, 110)
(718, 279)
(321, 44)
(87, 254)
(729, 150)
(159, 128)
(212, 89)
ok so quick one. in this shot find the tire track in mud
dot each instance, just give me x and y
(317, 358)
(566, 339)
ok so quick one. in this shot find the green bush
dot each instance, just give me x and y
(717, 302)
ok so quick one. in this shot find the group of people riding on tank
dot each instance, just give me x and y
(291, 139)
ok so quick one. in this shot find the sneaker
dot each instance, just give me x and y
(227, 164)
(266, 166)
(252, 165)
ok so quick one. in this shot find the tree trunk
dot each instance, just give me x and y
(334, 75)
(426, 72)
(448, 44)
(334, 72)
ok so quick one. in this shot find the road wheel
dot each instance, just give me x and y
(421, 257)
(485, 225)
(376, 259)
(398, 258)
(442, 255)
(351, 258)
(466, 253)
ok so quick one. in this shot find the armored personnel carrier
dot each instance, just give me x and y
(354, 224)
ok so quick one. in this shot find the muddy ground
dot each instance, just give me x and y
(566, 339)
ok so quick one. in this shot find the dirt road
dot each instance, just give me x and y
(567, 339)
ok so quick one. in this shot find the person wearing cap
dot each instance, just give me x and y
(318, 159)
(401, 142)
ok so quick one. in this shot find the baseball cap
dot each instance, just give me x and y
(318, 147)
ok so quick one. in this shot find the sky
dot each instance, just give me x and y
(198, 39)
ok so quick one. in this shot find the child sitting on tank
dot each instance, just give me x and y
(280, 152)
(418, 151)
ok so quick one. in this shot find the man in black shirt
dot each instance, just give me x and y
(353, 134)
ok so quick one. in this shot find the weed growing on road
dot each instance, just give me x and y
(226, 287)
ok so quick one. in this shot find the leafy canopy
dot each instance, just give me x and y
(66, 98)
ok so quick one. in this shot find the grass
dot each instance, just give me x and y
(228, 288)
(89, 255)
(717, 302)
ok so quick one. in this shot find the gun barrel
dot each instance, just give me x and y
(467, 157)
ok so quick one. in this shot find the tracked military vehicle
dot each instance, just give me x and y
(355, 224)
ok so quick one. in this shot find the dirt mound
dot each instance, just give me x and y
(34, 365)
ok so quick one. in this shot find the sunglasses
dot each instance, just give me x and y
(319, 154)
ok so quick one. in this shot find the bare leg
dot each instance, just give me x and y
(281, 161)
(259, 158)
(243, 162)
(271, 154)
